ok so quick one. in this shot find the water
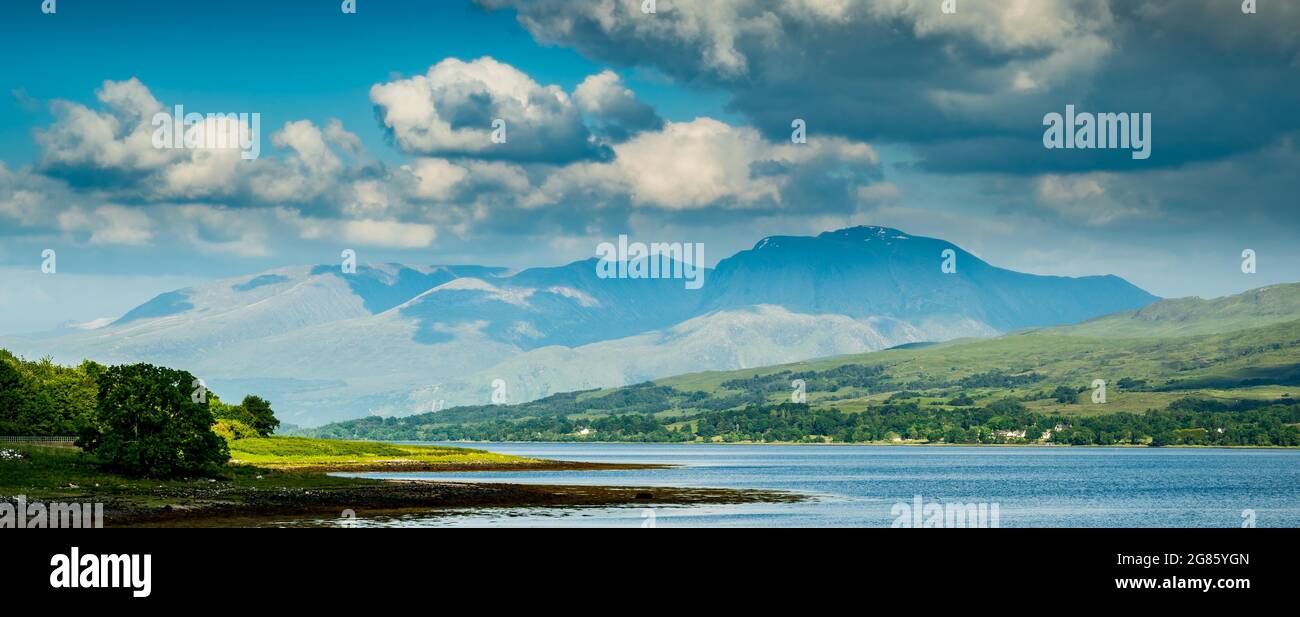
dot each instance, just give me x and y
(859, 485)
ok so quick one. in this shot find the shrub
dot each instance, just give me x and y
(230, 430)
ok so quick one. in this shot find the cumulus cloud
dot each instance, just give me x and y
(100, 180)
(112, 148)
(450, 111)
(709, 163)
(117, 138)
(617, 111)
(319, 185)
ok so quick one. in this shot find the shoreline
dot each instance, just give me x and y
(858, 443)
(306, 493)
(405, 466)
(326, 506)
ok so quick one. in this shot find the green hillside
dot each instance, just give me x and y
(1191, 316)
(951, 392)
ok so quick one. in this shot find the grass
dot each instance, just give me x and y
(65, 473)
(1193, 316)
(50, 472)
(1256, 363)
(299, 452)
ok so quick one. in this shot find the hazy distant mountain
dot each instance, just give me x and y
(393, 339)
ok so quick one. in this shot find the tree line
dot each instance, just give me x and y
(1006, 421)
(136, 419)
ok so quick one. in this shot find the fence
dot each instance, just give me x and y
(30, 439)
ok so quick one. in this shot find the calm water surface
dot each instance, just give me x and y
(857, 485)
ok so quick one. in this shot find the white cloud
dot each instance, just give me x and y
(449, 111)
(390, 234)
(320, 186)
(436, 178)
(706, 163)
(109, 225)
(117, 138)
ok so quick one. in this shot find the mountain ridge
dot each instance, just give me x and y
(396, 339)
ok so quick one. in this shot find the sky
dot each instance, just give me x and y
(376, 134)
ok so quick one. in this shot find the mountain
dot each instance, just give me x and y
(878, 271)
(392, 339)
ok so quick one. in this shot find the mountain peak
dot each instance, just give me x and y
(861, 233)
(864, 233)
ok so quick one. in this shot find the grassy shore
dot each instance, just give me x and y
(306, 454)
(288, 482)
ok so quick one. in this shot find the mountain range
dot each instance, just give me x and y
(392, 339)
(1123, 379)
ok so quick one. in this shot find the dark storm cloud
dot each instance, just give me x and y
(968, 91)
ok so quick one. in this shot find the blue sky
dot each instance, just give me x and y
(672, 127)
(288, 59)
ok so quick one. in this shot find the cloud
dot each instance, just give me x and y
(389, 234)
(109, 225)
(705, 171)
(967, 91)
(100, 181)
(618, 112)
(1089, 199)
(118, 138)
(436, 179)
(707, 163)
(450, 111)
(25, 199)
(223, 231)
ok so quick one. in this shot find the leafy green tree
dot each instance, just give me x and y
(261, 417)
(149, 425)
(43, 398)
(10, 393)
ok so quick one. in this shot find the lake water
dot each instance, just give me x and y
(868, 486)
